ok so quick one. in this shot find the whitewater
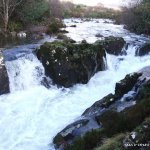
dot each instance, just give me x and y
(31, 114)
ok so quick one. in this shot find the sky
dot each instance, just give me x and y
(108, 3)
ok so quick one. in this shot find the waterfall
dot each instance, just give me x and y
(31, 115)
(25, 72)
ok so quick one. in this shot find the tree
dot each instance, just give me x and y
(32, 11)
(55, 8)
(7, 7)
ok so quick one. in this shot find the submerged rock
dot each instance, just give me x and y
(67, 63)
(4, 81)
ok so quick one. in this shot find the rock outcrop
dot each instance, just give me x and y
(144, 50)
(67, 63)
(105, 118)
(4, 81)
(114, 45)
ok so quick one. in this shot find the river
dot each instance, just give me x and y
(31, 115)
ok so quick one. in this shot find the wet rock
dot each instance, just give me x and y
(97, 107)
(69, 132)
(144, 91)
(64, 31)
(73, 26)
(68, 64)
(126, 84)
(66, 39)
(114, 45)
(144, 50)
(61, 36)
(99, 35)
(4, 81)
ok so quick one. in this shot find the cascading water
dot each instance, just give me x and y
(31, 115)
(24, 74)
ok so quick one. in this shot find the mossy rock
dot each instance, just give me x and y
(61, 36)
(67, 63)
(54, 26)
(144, 50)
(144, 92)
(126, 85)
(114, 45)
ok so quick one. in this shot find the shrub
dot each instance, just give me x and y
(88, 141)
(54, 26)
(114, 143)
(32, 11)
(15, 26)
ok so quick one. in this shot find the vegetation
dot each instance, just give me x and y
(82, 11)
(114, 143)
(7, 7)
(137, 18)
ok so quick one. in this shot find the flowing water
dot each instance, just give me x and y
(31, 115)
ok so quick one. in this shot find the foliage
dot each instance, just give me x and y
(33, 10)
(114, 143)
(15, 26)
(137, 19)
(88, 141)
(54, 26)
(79, 11)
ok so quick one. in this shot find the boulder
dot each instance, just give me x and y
(97, 107)
(69, 132)
(73, 26)
(144, 50)
(67, 63)
(99, 35)
(126, 85)
(4, 81)
(114, 45)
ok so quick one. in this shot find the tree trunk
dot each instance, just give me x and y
(6, 19)
(5, 23)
